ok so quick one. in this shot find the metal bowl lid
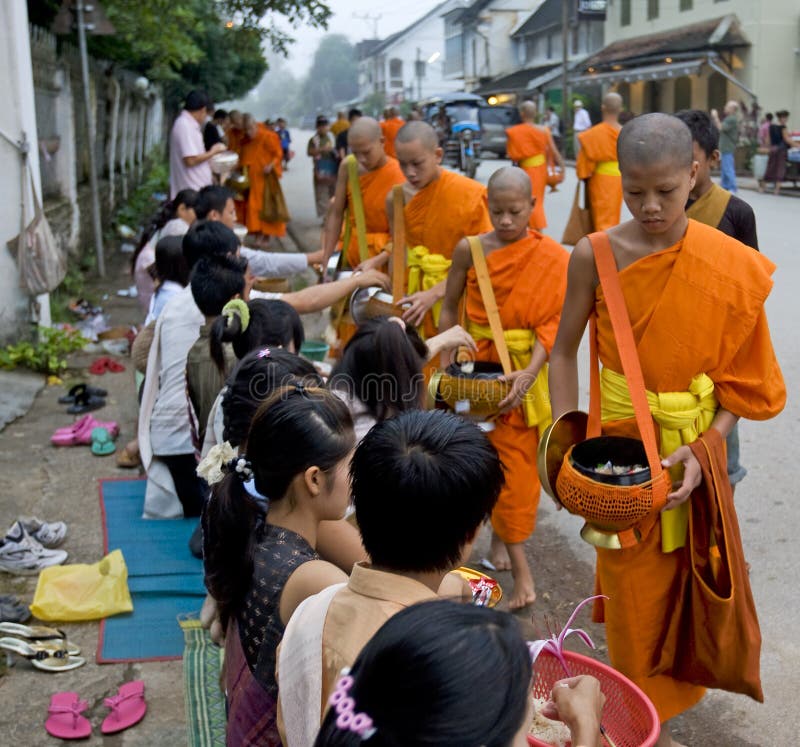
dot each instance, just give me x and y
(566, 431)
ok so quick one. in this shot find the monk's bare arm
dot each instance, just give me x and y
(555, 152)
(336, 216)
(454, 288)
(578, 304)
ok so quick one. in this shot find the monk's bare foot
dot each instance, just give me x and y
(524, 592)
(498, 554)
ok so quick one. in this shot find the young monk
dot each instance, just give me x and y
(597, 162)
(441, 207)
(528, 272)
(716, 207)
(235, 135)
(531, 146)
(262, 154)
(377, 174)
(695, 299)
(390, 126)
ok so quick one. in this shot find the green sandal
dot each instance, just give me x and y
(102, 443)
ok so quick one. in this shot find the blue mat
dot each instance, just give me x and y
(164, 579)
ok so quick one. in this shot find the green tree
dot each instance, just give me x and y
(333, 77)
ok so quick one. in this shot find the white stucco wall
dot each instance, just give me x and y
(17, 116)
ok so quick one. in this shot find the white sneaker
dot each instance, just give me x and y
(23, 555)
(46, 533)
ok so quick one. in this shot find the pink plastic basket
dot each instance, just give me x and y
(629, 718)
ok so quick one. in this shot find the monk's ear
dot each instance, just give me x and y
(693, 174)
(714, 158)
(533, 201)
(439, 154)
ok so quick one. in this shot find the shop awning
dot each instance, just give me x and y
(643, 72)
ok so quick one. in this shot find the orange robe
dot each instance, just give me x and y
(390, 128)
(375, 186)
(599, 146)
(262, 150)
(440, 215)
(696, 307)
(529, 279)
(525, 141)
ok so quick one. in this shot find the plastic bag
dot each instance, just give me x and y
(72, 593)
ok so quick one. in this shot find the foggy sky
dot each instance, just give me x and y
(395, 16)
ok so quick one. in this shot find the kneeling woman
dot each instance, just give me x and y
(259, 569)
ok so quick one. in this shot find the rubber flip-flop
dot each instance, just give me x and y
(113, 366)
(80, 432)
(128, 707)
(46, 659)
(86, 403)
(64, 718)
(78, 389)
(102, 444)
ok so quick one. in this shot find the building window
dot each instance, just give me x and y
(683, 93)
(652, 9)
(549, 47)
(395, 73)
(652, 97)
(453, 54)
(625, 13)
(686, 4)
(717, 91)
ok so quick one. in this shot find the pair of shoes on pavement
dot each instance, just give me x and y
(126, 709)
(27, 547)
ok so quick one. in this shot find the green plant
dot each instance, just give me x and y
(47, 354)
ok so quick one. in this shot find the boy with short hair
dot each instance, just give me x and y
(528, 273)
(452, 471)
(695, 298)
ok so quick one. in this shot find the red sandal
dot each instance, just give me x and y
(101, 365)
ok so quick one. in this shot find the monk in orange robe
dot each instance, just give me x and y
(531, 147)
(695, 298)
(261, 153)
(528, 273)
(377, 174)
(597, 162)
(441, 207)
(391, 126)
(235, 135)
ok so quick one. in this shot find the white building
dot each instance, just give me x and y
(410, 64)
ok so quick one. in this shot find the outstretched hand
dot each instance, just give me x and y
(692, 475)
(520, 382)
(371, 278)
(420, 303)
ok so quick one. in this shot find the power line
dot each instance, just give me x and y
(367, 18)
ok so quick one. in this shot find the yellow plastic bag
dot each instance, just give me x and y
(78, 592)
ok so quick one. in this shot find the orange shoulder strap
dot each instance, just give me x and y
(398, 243)
(489, 302)
(623, 334)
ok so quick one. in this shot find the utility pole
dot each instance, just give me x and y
(367, 18)
(565, 64)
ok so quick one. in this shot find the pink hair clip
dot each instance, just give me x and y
(347, 719)
(265, 353)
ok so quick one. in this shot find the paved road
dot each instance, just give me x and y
(765, 499)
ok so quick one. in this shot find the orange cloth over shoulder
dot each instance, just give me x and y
(390, 128)
(599, 145)
(256, 153)
(375, 186)
(235, 136)
(526, 141)
(441, 214)
(682, 327)
(529, 279)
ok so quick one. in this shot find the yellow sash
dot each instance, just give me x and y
(710, 208)
(608, 168)
(357, 209)
(681, 417)
(426, 269)
(520, 342)
(529, 163)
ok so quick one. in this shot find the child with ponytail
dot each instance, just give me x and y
(260, 568)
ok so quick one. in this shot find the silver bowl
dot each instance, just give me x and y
(224, 162)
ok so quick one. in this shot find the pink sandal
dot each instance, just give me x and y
(80, 432)
(128, 707)
(65, 720)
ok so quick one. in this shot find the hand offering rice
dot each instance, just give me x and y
(547, 730)
(616, 469)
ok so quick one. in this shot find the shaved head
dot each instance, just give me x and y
(510, 178)
(655, 138)
(421, 131)
(612, 103)
(365, 127)
(527, 110)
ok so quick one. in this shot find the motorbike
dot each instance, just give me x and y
(467, 134)
(455, 118)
